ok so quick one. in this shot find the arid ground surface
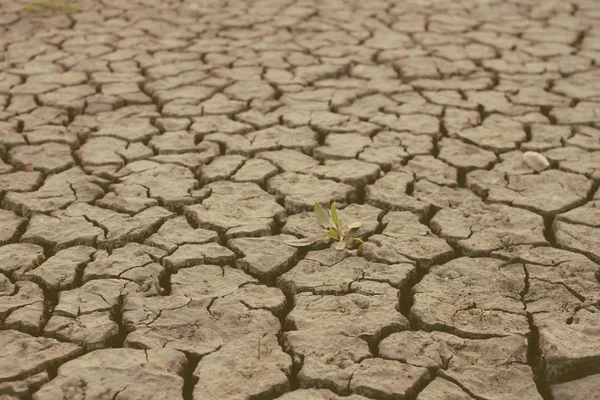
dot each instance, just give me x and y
(156, 156)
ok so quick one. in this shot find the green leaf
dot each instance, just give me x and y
(322, 216)
(334, 215)
(48, 5)
(303, 242)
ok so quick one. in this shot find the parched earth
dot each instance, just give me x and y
(156, 156)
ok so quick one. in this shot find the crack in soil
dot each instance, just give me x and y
(534, 352)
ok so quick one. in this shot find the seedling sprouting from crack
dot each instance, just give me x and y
(482, 314)
(335, 231)
(53, 5)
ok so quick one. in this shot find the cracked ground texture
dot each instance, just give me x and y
(156, 156)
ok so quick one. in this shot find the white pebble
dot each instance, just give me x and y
(535, 161)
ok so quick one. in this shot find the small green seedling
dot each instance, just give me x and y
(53, 5)
(334, 231)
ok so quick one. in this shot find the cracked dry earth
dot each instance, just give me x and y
(155, 157)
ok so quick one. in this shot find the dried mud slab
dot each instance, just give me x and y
(577, 229)
(420, 124)
(289, 160)
(571, 271)
(169, 322)
(496, 133)
(327, 360)
(25, 387)
(440, 388)
(578, 237)
(391, 149)
(187, 325)
(405, 237)
(62, 270)
(464, 156)
(222, 168)
(208, 307)
(57, 192)
(369, 315)
(25, 356)
(200, 282)
(331, 272)
(588, 214)
(264, 257)
(240, 368)
(479, 228)
(128, 199)
(387, 379)
(473, 298)
(255, 171)
(584, 388)
(545, 137)
(177, 142)
(579, 85)
(19, 258)
(352, 172)
(176, 232)
(465, 366)
(119, 229)
(568, 341)
(549, 192)
(439, 197)
(576, 160)
(149, 374)
(21, 306)
(168, 183)
(90, 331)
(389, 193)
(83, 315)
(274, 138)
(132, 262)
(317, 394)
(362, 312)
(301, 192)
(585, 137)
(20, 181)
(61, 231)
(102, 152)
(236, 209)
(562, 297)
(432, 170)
(341, 146)
(48, 157)
(188, 255)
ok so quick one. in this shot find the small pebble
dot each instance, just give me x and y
(536, 161)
